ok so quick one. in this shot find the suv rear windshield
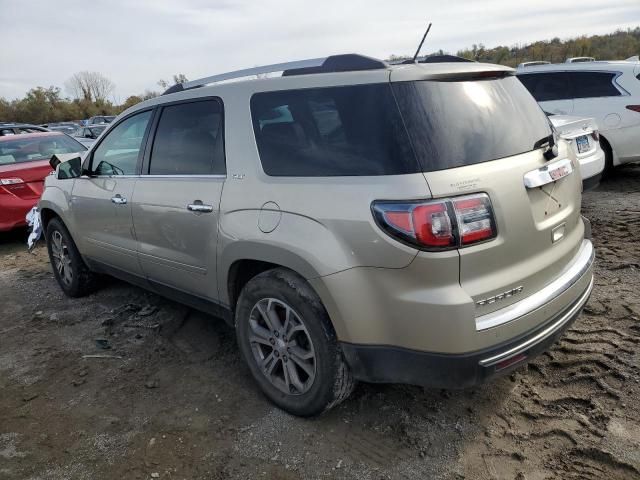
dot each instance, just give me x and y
(363, 130)
(457, 123)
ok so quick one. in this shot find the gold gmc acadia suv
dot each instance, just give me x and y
(353, 220)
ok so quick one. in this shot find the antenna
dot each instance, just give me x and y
(420, 46)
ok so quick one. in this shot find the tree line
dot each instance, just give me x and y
(619, 45)
(89, 95)
(89, 92)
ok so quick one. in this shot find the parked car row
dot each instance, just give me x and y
(609, 92)
(9, 128)
(415, 223)
(88, 135)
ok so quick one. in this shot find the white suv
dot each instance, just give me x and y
(607, 91)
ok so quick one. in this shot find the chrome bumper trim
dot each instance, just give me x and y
(550, 330)
(570, 275)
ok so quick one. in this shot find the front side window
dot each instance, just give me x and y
(546, 87)
(118, 153)
(189, 140)
(334, 131)
(593, 84)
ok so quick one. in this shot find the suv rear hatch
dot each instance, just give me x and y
(482, 132)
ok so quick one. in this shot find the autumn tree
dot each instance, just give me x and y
(90, 86)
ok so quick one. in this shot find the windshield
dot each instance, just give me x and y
(457, 123)
(41, 147)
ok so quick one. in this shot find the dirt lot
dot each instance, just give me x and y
(176, 402)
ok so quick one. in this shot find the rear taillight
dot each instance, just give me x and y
(10, 181)
(635, 108)
(475, 219)
(438, 224)
(595, 135)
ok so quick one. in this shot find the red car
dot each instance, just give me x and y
(24, 164)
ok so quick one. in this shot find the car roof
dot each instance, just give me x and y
(30, 135)
(619, 65)
(298, 77)
(14, 124)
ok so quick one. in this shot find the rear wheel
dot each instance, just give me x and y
(286, 338)
(70, 271)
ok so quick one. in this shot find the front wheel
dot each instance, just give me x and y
(286, 338)
(69, 269)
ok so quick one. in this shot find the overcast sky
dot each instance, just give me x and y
(137, 42)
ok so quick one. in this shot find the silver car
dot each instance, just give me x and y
(353, 220)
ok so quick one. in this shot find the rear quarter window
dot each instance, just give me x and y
(593, 84)
(333, 131)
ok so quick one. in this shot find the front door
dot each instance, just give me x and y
(177, 198)
(101, 202)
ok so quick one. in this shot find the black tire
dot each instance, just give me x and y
(608, 158)
(82, 280)
(332, 382)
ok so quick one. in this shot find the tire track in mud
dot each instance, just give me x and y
(561, 414)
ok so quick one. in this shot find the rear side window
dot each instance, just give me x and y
(334, 131)
(547, 87)
(189, 140)
(457, 123)
(593, 84)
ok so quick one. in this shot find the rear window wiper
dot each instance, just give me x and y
(550, 145)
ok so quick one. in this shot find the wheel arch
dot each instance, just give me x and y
(611, 159)
(244, 260)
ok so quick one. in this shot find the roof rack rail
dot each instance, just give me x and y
(334, 63)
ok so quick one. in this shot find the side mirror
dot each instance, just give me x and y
(67, 165)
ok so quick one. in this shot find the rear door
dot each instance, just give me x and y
(101, 203)
(486, 136)
(551, 90)
(177, 199)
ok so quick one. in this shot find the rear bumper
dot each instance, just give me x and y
(384, 364)
(592, 165)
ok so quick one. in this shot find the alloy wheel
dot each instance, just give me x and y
(282, 346)
(61, 258)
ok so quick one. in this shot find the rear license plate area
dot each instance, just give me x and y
(583, 144)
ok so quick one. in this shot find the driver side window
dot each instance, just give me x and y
(118, 153)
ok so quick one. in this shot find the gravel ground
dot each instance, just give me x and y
(175, 401)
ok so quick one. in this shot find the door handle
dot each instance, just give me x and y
(199, 207)
(118, 200)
